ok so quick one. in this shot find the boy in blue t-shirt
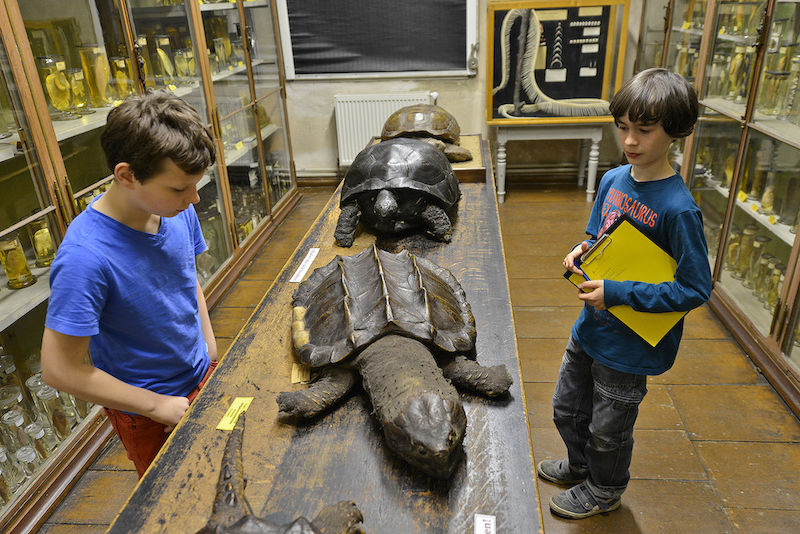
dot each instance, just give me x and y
(124, 285)
(604, 370)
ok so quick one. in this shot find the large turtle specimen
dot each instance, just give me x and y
(431, 123)
(395, 186)
(232, 513)
(383, 316)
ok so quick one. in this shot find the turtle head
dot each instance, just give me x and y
(385, 204)
(428, 433)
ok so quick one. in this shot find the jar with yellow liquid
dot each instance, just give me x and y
(222, 55)
(732, 249)
(52, 73)
(775, 283)
(98, 74)
(163, 55)
(42, 242)
(80, 93)
(182, 66)
(122, 77)
(14, 263)
(745, 249)
(759, 246)
(237, 52)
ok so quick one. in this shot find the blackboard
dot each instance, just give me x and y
(339, 37)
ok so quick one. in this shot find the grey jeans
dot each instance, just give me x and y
(594, 409)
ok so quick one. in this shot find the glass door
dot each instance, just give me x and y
(729, 71)
(686, 31)
(652, 33)
(85, 68)
(274, 145)
(33, 423)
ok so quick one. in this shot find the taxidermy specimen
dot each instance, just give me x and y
(429, 123)
(398, 185)
(382, 317)
(232, 513)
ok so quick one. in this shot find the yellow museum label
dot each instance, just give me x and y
(238, 407)
(239, 145)
(172, 87)
(61, 65)
(686, 25)
(742, 196)
(772, 219)
(754, 208)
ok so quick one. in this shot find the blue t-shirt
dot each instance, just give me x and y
(664, 210)
(135, 294)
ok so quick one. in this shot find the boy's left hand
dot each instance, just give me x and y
(594, 297)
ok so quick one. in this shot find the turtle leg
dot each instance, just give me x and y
(470, 375)
(438, 223)
(346, 225)
(343, 517)
(333, 384)
(456, 153)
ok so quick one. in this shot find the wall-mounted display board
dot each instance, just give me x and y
(380, 38)
(554, 61)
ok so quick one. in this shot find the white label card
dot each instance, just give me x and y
(555, 75)
(485, 524)
(301, 271)
(593, 30)
(590, 49)
(588, 72)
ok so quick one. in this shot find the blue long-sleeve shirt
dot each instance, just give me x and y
(663, 209)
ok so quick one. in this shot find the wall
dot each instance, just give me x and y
(313, 126)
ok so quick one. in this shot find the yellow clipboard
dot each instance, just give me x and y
(625, 253)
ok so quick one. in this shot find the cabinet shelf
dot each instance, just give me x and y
(246, 145)
(14, 303)
(223, 6)
(691, 31)
(725, 107)
(8, 147)
(780, 129)
(750, 207)
(760, 316)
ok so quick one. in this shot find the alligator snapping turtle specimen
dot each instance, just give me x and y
(232, 513)
(380, 315)
(395, 186)
(431, 123)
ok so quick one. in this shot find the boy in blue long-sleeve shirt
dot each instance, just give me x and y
(604, 371)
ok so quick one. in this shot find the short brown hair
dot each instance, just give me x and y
(145, 130)
(658, 95)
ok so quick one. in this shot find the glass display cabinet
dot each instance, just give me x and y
(69, 64)
(743, 174)
(653, 31)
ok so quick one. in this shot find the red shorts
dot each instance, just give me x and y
(141, 436)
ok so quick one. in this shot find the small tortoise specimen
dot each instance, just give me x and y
(381, 315)
(395, 186)
(430, 122)
(232, 513)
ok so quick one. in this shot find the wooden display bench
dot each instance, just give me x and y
(296, 470)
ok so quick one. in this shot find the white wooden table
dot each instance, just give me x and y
(589, 134)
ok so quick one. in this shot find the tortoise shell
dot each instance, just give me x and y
(422, 120)
(402, 164)
(354, 300)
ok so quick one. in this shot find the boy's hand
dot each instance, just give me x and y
(569, 260)
(594, 297)
(169, 411)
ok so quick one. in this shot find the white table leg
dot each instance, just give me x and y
(594, 156)
(583, 156)
(501, 166)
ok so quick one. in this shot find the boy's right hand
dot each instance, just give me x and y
(169, 410)
(569, 260)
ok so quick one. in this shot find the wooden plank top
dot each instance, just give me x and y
(296, 470)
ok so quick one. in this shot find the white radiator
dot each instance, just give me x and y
(359, 118)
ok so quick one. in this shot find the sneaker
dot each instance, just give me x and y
(579, 503)
(559, 472)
